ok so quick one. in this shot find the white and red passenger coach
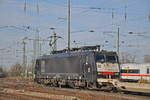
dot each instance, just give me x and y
(135, 72)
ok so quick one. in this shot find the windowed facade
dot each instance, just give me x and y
(130, 71)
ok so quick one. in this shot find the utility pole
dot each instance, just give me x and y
(2, 58)
(37, 38)
(40, 49)
(55, 43)
(68, 24)
(24, 57)
(118, 41)
(36, 48)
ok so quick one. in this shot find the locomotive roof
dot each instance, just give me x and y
(64, 54)
(134, 65)
(76, 54)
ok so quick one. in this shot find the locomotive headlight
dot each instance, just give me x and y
(100, 73)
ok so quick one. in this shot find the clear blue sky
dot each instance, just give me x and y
(84, 17)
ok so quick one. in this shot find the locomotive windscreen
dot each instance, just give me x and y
(63, 65)
(105, 58)
(111, 58)
(100, 58)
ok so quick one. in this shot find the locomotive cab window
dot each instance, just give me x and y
(110, 58)
(100, 58)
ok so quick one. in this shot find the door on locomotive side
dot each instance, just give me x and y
(87, 68)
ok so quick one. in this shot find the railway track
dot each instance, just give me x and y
(12, 89)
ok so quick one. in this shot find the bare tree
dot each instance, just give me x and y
(16, 70)
(3, 72)
(1, 68)
(127, 58)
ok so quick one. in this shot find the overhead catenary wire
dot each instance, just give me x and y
(91, 28)
(64, 4)
(92, 9)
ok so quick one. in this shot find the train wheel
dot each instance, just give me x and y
(60, 86)
(114, 89)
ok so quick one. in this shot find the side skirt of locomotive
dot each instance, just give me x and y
(66, 83)
(82, 84)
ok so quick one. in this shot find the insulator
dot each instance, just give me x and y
(37, 7)
(25, 6)
(125, 16)
(112, 13)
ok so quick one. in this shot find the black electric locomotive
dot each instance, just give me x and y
(79, 67)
